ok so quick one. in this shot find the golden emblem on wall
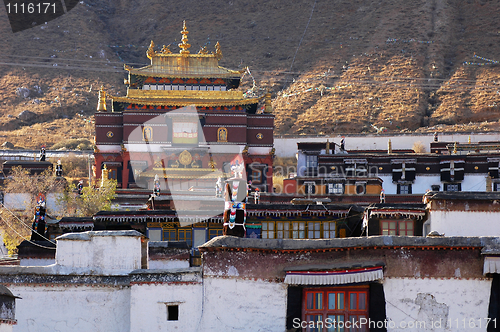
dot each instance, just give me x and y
(259, 136)
(185, 158)
(147, 133)
(109, 134)
(222, 134)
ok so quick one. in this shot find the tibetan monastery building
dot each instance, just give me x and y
(184, 120)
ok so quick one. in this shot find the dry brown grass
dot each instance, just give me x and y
(345, 46)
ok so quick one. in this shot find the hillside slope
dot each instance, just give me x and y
(334, 66)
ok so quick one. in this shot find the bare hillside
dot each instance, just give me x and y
(333, 66)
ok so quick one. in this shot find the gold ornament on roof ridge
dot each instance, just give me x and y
(218, 52)
(203, 50)
(150, 53)
(101, 105)
(184, 45)
(166, 49)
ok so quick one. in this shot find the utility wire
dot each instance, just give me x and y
(34, 243)
(23, 224)
(303, 35)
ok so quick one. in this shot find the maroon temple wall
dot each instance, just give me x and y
(438, 261)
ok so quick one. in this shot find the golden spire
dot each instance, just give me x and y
(104, 175)
(184, 45)
(268, 108)
(151, 52)
(101, 104)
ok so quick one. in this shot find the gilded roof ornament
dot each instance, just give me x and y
(166, 50)
(151, 52)
(268, 107)
(218, 52)
(101, 104)
(184, 45)
(203, 50)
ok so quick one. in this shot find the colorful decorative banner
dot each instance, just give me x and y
(395, 40)
(489, 61)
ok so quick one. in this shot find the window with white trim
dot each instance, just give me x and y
(404, 189)
(309, 187)
(282, 230)
(329, 229)
(336, 188)
(298, 229)
(311, 161)
(314, 230)
(397, 227)
(268, 229)
(452, 187)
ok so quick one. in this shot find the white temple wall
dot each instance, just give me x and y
(71, 308)
(465, 223)
(419, 304)
(243, 305)
(152, 300)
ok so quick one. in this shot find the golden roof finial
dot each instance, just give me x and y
(101, 104)
(104, 175)
(469, 140)
(218, 52)
(268, 107)
(151, 52)
(184, 45)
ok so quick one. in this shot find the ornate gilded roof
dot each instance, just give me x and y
(164, 63)
(185, 98)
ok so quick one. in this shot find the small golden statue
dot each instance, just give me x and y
(218, 52)
(166, 50)
(203, 50)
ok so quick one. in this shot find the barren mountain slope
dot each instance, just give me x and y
(333, 66)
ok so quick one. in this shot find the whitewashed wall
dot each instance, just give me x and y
(104, 252)
(474, 182)
(5, 327)
(148, 312)
(14, 201)
(424, 183)
(429, 299)
(465, 223)
(166, 264)
(53, 308)
(243, 305)
(36, 262)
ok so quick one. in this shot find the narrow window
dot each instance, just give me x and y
(173, 312)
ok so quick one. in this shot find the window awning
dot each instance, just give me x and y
(491, 264)
(334, 277)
